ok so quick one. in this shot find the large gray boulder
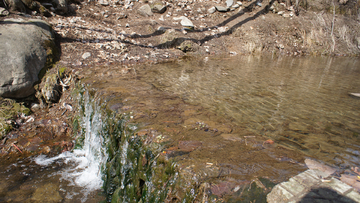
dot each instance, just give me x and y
(27, 50)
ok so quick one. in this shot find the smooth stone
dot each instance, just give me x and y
(355, 94)
(229, 3)
(145, 10)
(86, 55)
(222, 8)
(240, 3)
(235, 6)
(3, 12)
(184, 21)
(212, 10)
(158, 8)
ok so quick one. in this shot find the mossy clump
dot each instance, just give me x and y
(138, 172)
(9, 109)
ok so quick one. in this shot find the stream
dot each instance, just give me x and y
(205, 129)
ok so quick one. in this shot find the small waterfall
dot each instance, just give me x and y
(87, 161)
(128, 167)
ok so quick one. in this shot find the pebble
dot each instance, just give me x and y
(212, 10)
(229, 3)
(184, 21)
(86, 55)
(221, 8)
(145, 10)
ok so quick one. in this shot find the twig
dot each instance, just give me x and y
(17, 148)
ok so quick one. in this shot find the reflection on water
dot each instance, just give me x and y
(301, 103)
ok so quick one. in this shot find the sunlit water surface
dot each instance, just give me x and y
(302, 104)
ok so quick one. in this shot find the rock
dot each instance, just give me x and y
(121, 16)
(61, 6)
(286, 15)
(3, 12)
(222, 8)
(145, 10)
(158, 7)
(185, 22)
(235, 6)
(229, 3)
(188, 146)
(50, 88)
(240, 3)
(30, 50)
(188, 46)
(259, 3)
(314, 165)
(212, 10)
(35, 107)
(355, 94)
(86, 55)
(16, 5)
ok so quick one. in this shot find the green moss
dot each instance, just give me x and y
(9, 109)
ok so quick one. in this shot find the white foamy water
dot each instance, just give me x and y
(84, 164)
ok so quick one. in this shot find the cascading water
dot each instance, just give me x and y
(113, 158)
(88, 160)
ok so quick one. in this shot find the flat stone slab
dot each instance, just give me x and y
(313, 186)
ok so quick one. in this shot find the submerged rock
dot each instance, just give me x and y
(49, 191)
(30, 49)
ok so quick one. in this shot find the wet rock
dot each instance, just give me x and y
(3, 12)
(158, 7)
(185, 22)
(48, 192)
(211, 10)
(188, 146)
(229, 3)
(222, 9)
(145, 10)
(30, 49)
(222, 188)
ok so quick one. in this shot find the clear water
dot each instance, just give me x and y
(302, 104)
